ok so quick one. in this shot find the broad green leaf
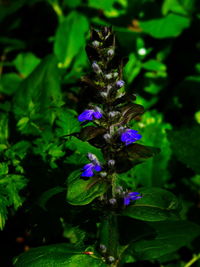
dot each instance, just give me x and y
(38, 97)
(155, 205)
(9, 83)
(3, 168)
(154, 65)
(72, 4)
(59, 255)
(185, 144)
(102, 4)
(70, 37)
(132, 68)
(82, 192)
(25, 63)
(170, 26)
(154, 171)
(182, 7)
(169, 237)
(67, 123)
(81, 147)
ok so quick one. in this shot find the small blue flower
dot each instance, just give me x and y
(130, 136)
(88, 169)
(89, 115)
(131, 196)
(120, 83)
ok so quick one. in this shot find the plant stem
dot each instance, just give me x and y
(193, 260)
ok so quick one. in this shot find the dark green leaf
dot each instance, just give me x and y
(9, 83)
(60, 255)
(155, 205)
(25, 63)
(170, 236)
(170, 26)
(66, 45)
(82, 192)
(186, 146)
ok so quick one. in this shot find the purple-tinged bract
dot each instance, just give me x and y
(130, 136)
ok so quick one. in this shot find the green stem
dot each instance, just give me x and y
(193, 260)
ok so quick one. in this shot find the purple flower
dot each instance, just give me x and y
(130, 136)
(88, 169)
(120, 83)
(89, 115)
(131, 196)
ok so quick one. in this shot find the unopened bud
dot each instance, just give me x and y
(111, 162)
(91, 157)
(120, 83)
(115, 74)
(107, 137)
(119, 190)
(103, 248)
(121, 130)
(112, 201)
(96, 68)
(95, 44)
(110, 52)
(104, 94)
(111, 259)
(113, 114)
(108, 76)
(103, 174)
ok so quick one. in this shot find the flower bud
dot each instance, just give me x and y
(110, 52)
(108, 76)
(113, 114)
(104, 94)
(96, 68)
(115, 74)
(103, 174)
(91, 157)
(111, 162)
(111, 259)
(121, 130)
(120, 84)
(119, 190)
(112, 201)
(103, 248)
(95, 44)
(107, 137)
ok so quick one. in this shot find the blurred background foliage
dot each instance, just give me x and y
(42, 58)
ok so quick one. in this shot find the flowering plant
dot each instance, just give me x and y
(129, 221)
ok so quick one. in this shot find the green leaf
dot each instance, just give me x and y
(82, 192)
(182, 7)
(185, 144)
(170, 236)
(154, 171)
(67, 123)
(170, 26)
(155, 205)
(101, 4)
(67, 45)
(81, 147)
(59, 255)
(9, 83)
(38, 97)
(25, 63)
(3, 168)
(4, 131)
(10, 186)
(132, 68)
(154, 65)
